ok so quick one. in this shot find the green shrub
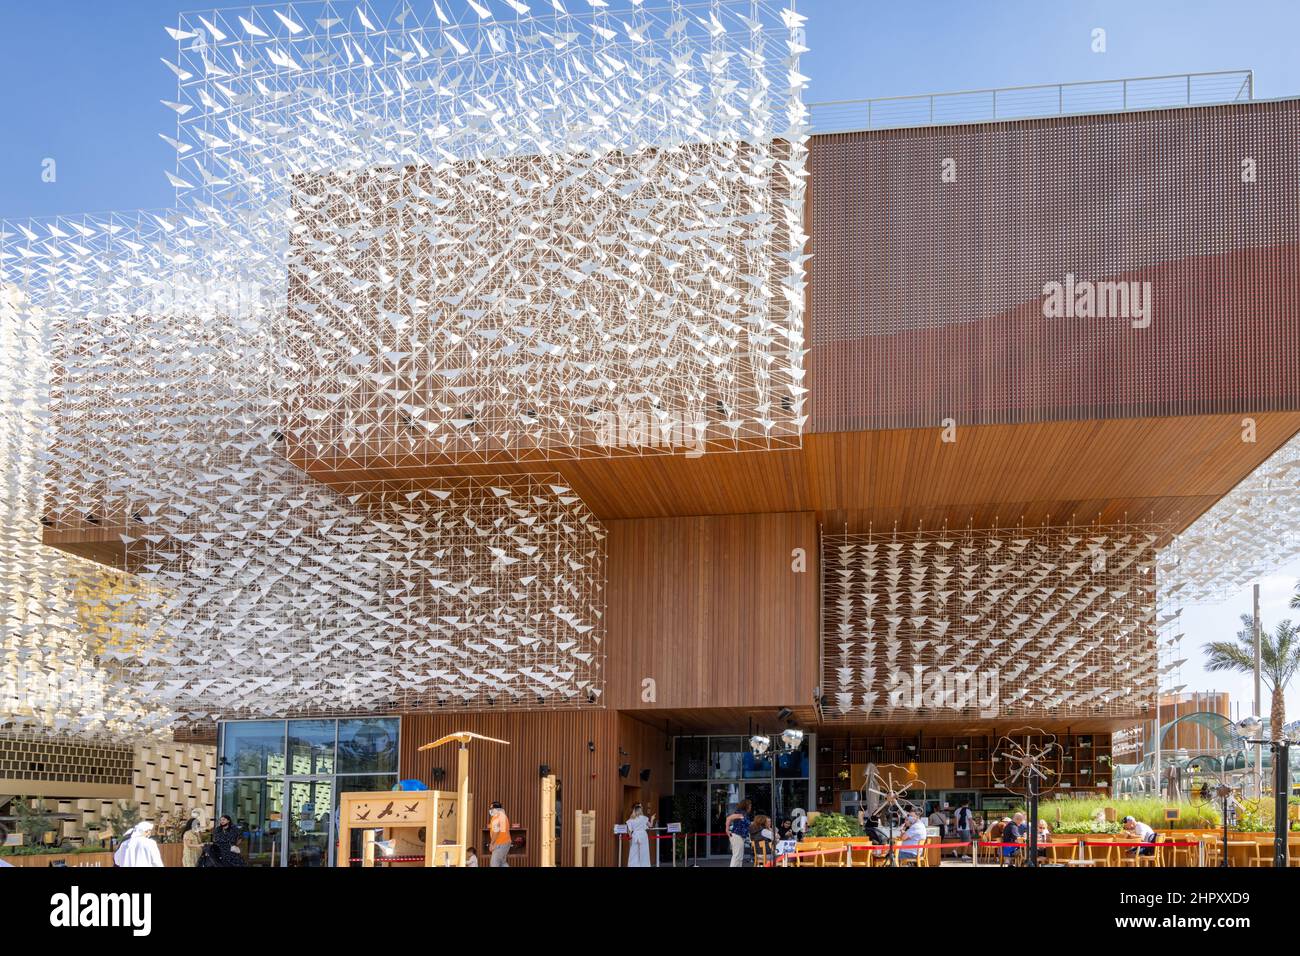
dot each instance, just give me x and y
(1087, 827)
(1061, 814)
(834, 825)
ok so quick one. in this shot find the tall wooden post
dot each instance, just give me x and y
(463, 797)
(548, 820)
(462, 800)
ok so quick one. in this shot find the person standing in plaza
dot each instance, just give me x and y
(638, 849)
(225, 837)
(192, 842)
(139, 848)
(499, 824)
(737, 827)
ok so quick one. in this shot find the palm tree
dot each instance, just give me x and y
(1295, 598)
(1279, 660)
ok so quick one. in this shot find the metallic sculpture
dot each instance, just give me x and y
(400, 243)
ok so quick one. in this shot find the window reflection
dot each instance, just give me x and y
(368, 745)
(252, 748)
(280, 782)
(726, 758)
(311, 746)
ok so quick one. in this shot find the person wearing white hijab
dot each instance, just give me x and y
(138, 848)
(638, 851)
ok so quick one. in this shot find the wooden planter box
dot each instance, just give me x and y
(173, 854)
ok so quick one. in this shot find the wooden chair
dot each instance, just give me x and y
(1213, 850)
(804, 847)
(1263, 855)
(760, 853)
(1293, 851)
(1175, 853)
(990, 854)
(922, 854)
(1059, 852)
(1135, 857)
(861, 854)
(840, 854)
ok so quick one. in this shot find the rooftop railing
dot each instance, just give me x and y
(1028, 102)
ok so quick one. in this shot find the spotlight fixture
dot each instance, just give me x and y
(624, 769)
(645, 775)
(785, 713)
(591, 746)
(438, 773)
(544, 770)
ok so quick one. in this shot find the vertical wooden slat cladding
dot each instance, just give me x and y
(928, 297)
(559, 739)
(712, 611)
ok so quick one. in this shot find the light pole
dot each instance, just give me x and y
(1252, 729)
(760, 745)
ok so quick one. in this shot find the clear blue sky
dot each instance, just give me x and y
(80, 82)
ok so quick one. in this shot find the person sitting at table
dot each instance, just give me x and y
(913, 836)
(1013, 833)
(1135, 829)
(874, 831)
(763, 838)
(1044, 838)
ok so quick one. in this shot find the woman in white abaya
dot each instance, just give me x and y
(139, 848)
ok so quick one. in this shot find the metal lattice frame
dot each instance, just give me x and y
(1247, 534)
(383, 223)
(71, 631)
(535, 237)
(1065, 617)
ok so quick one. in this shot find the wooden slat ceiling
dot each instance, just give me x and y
(1162, 470)
(745, 720)
(1165, 471)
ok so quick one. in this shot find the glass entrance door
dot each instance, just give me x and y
(307, 833)
(723, 800)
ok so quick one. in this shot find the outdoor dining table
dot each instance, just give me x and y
(1241, 852)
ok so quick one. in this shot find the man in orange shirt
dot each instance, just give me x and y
(499, 825)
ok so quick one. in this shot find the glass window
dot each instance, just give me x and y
(368, 745)
(757, 768)
(311, 746)
(793, 764)
(691, 807)
(726, 757)
(255, 807)
(692, 758)
(253, 749)
(790, 794)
